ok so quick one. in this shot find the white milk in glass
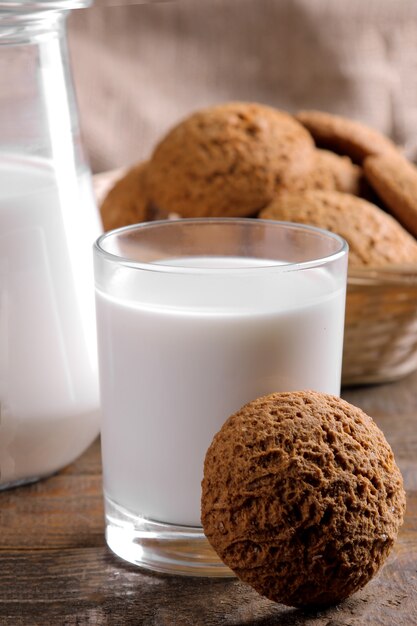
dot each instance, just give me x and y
(48, 371)
(171, 372)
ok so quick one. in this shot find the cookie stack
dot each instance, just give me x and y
(250, 160)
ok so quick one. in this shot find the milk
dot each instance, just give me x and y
(179, 354)
(48, 370)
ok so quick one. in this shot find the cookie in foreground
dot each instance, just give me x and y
(301, 497)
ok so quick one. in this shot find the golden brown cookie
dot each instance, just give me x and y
(227, 160)
(345, 136)
(301, 497)
(395, 181)
(126, 202)
(374, 237)
(330, 172)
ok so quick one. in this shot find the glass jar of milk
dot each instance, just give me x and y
(48, 222)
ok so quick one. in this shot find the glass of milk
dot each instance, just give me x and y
(49, 396)
(195, 318)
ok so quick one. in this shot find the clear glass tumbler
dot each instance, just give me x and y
(195, 318)
(49, 398)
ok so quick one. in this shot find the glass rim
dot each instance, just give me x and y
(16, 15)
(175, 269)
(26, 6)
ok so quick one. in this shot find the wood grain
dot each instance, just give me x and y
(55, 568)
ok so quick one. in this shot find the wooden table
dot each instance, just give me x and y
(55, 568)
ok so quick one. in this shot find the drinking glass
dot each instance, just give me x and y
(195, 318)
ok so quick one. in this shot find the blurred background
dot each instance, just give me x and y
(139, 69)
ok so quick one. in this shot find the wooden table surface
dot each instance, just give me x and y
(55, 568)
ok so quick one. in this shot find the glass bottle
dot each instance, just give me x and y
(49, 402)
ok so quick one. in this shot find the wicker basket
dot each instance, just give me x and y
(381, 325)
(381, 317)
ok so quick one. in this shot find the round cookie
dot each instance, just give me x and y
(301, 497)
(345, 136)
(126, 202)
(375, 238)
(395, 181)
(227, 160)
(331, 172)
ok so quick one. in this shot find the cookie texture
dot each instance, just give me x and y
(395, 181)
(126, 203)
(375, 238)
(345, 136)
(228, 160)
(301, 497)
(331, 172)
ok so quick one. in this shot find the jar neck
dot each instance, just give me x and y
(30, 21)
(22, 7)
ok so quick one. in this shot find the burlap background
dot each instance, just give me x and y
(138, 69)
